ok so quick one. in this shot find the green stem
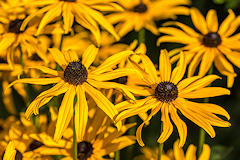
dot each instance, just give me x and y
(141, 36)
(202, 133)
(160, 147)
(74, 140)
(117, 155)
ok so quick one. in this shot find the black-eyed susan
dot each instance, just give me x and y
(168, 94)
(144, 13)
(176, 153)
(86, 13)
(100, 139)
(13, 42)
(77, 79)
(215, 43)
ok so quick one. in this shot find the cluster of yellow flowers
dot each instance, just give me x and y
(85, 87)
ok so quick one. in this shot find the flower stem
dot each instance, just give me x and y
(141, 36)
(160, 147)
(202, 132)
(74, 140)
(117, 155)
(131, 131)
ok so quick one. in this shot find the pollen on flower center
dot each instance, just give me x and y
(35, 144)
(84, 150)
(211, 40)
(15, 25)
(166, 92)
(75, 73)
(141, 8)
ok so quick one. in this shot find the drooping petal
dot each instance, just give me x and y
(81, 113)
(167, 124)
(181, 126)
(207, 60)
(102, 102)
(65, 112)
(68, 17)
(226, 23)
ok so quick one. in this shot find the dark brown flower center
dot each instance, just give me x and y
(15, 25)
(75, 73)
(211, 40)
(69, 0)
(35, 144)
(121, 80)
(141, 8)
(166, 92)
(84, 150)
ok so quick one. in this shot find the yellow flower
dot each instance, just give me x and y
(168, 94)
(100, 139)
(176, 153)
(214, 43)
(77, 79)
(143, 13)
(85, 13)
(13, 41)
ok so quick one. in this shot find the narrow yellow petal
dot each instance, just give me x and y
(205, 152)
(54, 12)
(102, 102)
(198, 20)
(180, 124)
(46, 70)
(165, 68)
(212, 20)
(195, 61)
(81, 113)
(178, 152)
(167, 125)
(58, 57)
(205, 92)
(191, 152)
(10, 152)
(89, 55)
(68, 16)
(65, 112)
(179, 71)
(226, 23)
(207, 60)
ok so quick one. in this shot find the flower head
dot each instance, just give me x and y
(139, 14)
(168, 94)
(215, 43)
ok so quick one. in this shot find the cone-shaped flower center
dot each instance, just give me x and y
(141, 8)
(166, 92)
(15, 25)
(84, 150)
(69, 0)
(35, 144)
(121, 80)
(211, 40)
(35, 57)
(75, 73)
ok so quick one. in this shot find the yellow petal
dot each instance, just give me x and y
(68, 17)
(198, 20)
(226, 23)
(89, 55)
(207, 60)
(179, 71)
(81, 113)
(212, 20)
(65, 112)
(165, 68)
(102, 102)
(10, 152)
(205, 152)
(191, 152)
(58, 57)
(178, 152)
(46, 70)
